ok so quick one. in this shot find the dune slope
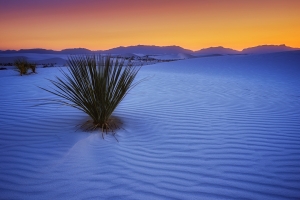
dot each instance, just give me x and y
(206, 128)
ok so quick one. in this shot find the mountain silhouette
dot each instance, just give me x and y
(267, 49)
(144, 49)
(216, 50)
(76, 51)
(155, 50)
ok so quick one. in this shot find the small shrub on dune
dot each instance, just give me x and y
(96, 85)
(32, 66)
(21, 65)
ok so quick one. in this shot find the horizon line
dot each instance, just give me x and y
(260, 45)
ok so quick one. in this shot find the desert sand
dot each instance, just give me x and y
(223, 127)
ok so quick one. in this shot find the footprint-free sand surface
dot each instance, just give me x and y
(205, 128)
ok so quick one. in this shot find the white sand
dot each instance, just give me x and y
(179, 56)
(206, 128)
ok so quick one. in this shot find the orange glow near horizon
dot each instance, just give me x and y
(103, 24)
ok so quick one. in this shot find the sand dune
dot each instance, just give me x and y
(179, 56)
(205, 128)
(43, 59)
(57, 61)
(10, 59)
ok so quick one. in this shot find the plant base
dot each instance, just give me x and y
(109, 126)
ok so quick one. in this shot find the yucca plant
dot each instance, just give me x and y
(32, 66)
(96, 85)
(21, 65)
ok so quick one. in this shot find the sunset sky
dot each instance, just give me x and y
(105, 24)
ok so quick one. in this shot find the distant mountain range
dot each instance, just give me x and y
(268, 49)
(143, 49)
(154, 50)
(216, 50)
(49, 51)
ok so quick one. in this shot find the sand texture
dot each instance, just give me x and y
(223, 127)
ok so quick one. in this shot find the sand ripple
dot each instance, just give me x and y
(185, 136)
